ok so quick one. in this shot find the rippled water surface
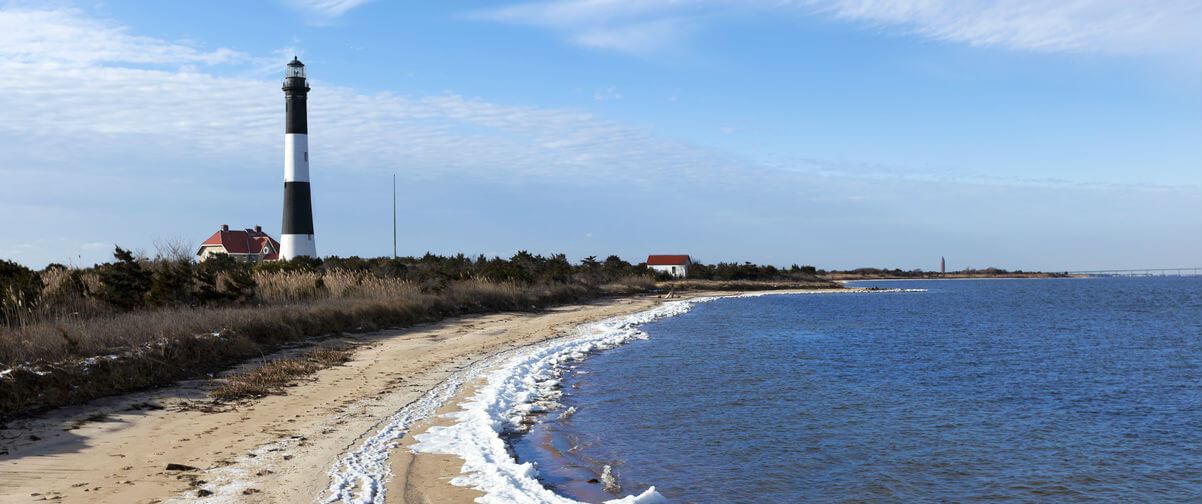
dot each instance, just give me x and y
(1071, 390)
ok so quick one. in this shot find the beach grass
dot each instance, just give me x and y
(273, 375)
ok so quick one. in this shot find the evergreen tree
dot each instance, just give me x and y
(172, 284)
(125, 282)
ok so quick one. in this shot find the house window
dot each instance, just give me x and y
(306, 156)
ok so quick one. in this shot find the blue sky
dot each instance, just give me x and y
(1021, 134)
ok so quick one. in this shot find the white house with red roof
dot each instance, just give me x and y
(675, 265)
(245, 245)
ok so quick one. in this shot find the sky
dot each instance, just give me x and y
(1023, 134)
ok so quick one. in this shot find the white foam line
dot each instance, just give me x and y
(361, 474)
(521, 384)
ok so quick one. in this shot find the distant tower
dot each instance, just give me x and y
(942, 266)
(296, 235)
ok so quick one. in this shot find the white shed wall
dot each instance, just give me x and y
(678, 271)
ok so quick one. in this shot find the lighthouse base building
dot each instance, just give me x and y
(248, 245)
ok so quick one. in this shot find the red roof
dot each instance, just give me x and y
(667, 260)
(247, 241)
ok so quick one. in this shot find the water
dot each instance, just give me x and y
(1070, 390)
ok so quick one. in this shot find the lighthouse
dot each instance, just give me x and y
(296, 235)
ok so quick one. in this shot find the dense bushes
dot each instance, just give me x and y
(748, 271)
(130, 283)
(871, 273)
(20, 289)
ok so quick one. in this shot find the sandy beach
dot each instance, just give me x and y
(277, 448)
(274, 449)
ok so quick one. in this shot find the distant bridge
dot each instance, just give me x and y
(1145, 272)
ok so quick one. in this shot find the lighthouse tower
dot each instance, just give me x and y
(296, 235)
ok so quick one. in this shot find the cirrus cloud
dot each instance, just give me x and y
(1104, 26)
(324, 12)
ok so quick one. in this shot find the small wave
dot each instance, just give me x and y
(567, 413)
(608, 482)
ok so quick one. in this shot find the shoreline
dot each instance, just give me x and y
(1069, 277)
(448, 461)
(282, 448)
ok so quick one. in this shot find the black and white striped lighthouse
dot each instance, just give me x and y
(296, 236)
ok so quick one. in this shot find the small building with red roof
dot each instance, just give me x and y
(251, 245)
(675, 265)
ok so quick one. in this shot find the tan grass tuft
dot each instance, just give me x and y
(273, 375)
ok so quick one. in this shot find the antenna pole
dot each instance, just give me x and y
(394, 216)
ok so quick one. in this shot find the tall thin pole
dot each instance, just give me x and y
(394, 216)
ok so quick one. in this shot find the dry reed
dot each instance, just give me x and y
(273, 375)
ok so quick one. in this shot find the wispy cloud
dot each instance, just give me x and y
(1111, 26)
(66, 36)
(181, 110)
(633, 26)
(176, 109)
(607, 93)
(1105, 26)
(324, 11)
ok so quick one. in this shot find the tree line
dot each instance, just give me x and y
(130, 282)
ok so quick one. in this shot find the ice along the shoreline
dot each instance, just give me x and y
(523, 384)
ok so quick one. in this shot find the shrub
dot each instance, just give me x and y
(172, 284)
(125, 282)
(20, 288)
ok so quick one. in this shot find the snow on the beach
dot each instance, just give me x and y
(229, 484)
(86, 364)
(523, 383)
(360, 475)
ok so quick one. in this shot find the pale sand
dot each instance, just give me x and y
(278, 448)
(123, 456)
